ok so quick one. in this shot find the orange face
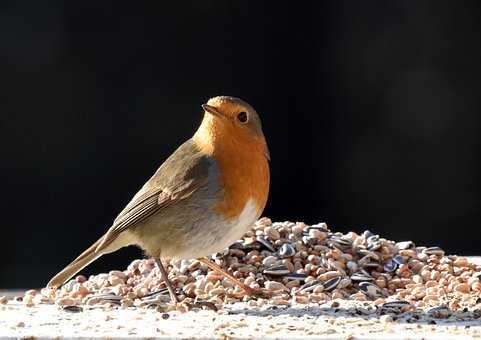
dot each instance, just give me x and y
(234, 117)
(231, 132)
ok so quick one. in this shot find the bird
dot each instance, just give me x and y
(203, 198)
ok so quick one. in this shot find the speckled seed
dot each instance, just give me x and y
(417, 279)
(279, 302)
(337, 295)
(359, 296)
(79, 291)
(476, 286)
(3, 300)
(431, 300)
(269, 260)
(460, 262)
(462, 288)
(272, 233)
(65, 301)
(295, 263)
(28, 300)
(408, 253)
(301, 299)
(318, 297)
(125, 303)
(213, 277)
(273, 285)
(217, 291)
(317, 234)
(297, 229)
(288, 264)
(293, 283)
(263, 222)
(329, 275)
(380, 282)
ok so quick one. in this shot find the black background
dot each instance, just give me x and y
(371, 109)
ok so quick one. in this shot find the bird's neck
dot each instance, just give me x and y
(207, 135)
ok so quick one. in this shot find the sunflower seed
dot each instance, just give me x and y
(277, 270)
(237, 245)
(244, 246)
(163, 291)
(403, 245)
(309, 286)
(319, 226)
(105, 298)
(331, 283)
(370, 290)
(345, 282)
(372, 265)
(295, 276)
(324, 263)
(434, 251)
(339, 242)
(398, 259)
(390, 266)
(367, 260)
(72, 309)
(374, 246)
(372, 239)
(334, 265)
(300, 253)
(221, 254)
(267, 244)
(306, 240)
(286, 250)
(440, 312)
(361, 276)
(395, 304)
(366, 234)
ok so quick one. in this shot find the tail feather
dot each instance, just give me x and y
(84, 259)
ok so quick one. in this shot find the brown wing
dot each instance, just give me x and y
(183, 173)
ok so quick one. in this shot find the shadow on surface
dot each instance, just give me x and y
(434, 316)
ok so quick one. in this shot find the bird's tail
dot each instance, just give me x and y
(77, 265)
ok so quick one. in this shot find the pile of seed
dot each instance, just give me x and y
(291, 263)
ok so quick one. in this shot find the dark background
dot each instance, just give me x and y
(371, 109)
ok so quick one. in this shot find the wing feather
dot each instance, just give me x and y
(178, 178)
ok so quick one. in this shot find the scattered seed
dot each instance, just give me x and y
(291, 263)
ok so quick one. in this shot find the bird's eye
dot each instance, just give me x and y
(242, 117)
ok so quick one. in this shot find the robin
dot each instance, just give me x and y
(203, 198)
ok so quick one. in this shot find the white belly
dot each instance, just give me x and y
(221, 234)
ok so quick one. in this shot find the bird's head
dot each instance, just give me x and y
(231, 120)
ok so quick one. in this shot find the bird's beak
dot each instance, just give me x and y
(212, 110)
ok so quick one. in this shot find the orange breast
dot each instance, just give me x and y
(244, 168)
(245, 175)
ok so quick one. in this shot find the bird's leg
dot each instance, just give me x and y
(165, 276)
(232, 279)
